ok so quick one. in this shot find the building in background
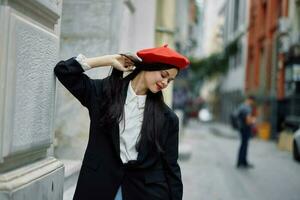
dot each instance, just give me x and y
(187, 33)
(211, 21)
(231, 89)
(288, 68)
(187, 26)
(265, 61)
(164, 33)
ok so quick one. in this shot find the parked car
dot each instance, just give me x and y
(296, 145)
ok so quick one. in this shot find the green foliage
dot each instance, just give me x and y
(215, 64)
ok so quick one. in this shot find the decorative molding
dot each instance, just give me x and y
(42, 11)
(17, 178)
(22, 159)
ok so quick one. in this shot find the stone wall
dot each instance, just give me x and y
(29, 44)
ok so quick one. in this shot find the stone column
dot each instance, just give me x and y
(29, 43)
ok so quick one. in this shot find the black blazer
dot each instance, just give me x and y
(152, 176)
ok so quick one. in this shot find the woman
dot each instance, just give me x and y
(132, 150)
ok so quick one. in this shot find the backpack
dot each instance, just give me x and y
(235, 119)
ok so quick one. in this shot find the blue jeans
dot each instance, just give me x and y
(119, 194)
(245, 134)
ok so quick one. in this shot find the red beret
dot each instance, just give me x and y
(163, 55)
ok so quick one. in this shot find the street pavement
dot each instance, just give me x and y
(210, 172)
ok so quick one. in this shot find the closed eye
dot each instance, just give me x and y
(165, 74)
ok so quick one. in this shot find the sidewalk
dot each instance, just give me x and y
(210, 172)
(224, 130)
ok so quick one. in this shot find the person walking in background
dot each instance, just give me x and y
(132, 150)
(246, 121)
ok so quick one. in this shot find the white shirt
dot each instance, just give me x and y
(133, 115)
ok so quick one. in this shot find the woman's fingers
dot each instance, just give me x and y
(128, 58)
(130, 67)
(128, 62)
(124, 67)
(125, 63)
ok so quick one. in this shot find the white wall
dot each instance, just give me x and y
(235, 78)
(138, 27)
(212, 22)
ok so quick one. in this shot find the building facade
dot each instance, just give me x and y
(265, 60)
(29, 43)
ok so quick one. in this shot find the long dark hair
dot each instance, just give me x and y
(153, 111)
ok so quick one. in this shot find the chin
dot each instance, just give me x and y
(154, 90)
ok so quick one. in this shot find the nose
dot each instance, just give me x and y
(165, 82)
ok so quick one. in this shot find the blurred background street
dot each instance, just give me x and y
(210, 173)
(237, 48)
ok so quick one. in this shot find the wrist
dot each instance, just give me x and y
(114, 59)
(81, 59)
(110, 59)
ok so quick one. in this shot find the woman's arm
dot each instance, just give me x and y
(119, 62)
(70, 74)
(250, 120)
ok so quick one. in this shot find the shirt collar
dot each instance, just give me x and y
(132, 96)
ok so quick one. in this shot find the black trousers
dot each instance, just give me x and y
(245, 134)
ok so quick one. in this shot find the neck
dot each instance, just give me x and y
(138, 84)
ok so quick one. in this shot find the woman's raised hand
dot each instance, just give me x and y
(122, 63)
